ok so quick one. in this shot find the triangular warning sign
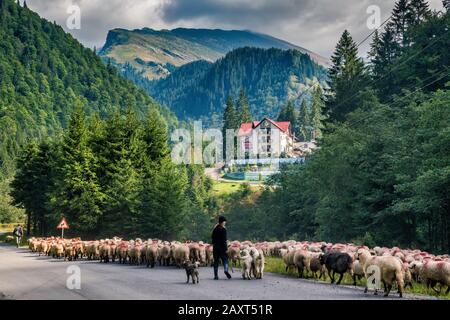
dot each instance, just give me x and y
(63, 224)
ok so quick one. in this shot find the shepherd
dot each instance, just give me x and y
(18, 233)
(219, 241)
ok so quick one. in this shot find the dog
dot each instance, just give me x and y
(191, 270)
(246, 263)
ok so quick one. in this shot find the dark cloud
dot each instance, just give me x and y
(233, 11)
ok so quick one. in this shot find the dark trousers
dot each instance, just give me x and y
(220, 256)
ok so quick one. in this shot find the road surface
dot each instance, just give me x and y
(25, 275)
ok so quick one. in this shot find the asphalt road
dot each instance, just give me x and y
(25, 275)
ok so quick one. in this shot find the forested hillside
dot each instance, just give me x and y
(270, 77)
(111, 177)
(382, 173)
(82, 142)
(44, 74)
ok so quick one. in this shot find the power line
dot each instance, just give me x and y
(441, 76)
(394, 67)
(365, 39)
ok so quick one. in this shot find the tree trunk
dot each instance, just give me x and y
(28, 223)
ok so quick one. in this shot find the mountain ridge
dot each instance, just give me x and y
(158, 52)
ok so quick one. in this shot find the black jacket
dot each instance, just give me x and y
(219, 239)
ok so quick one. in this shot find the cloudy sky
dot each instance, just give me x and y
(312, 24)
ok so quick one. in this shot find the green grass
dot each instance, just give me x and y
(276, 265)
(220, 187)
(228, 187)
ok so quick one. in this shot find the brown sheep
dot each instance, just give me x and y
(151, 254)
(181, 254)
(315, 266)
(301, 261)
(164, 255)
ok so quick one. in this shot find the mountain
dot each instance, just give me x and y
(270, 78)
(157, 53)
(44, 73)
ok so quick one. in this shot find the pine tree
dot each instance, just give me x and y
(399, 22)
(288, 113)
(346, 78)
(317, 110)
(282, 113)
(23, 185)
(155, 135)
(77, 194)
(304, 121)
(374, 54)
(121, 210)
(163, 201)
(230, 121)
(418, 11)
(243, 108)
(386, 52)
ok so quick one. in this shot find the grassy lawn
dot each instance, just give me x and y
(221, 187)
(276, 265)
(228, 187)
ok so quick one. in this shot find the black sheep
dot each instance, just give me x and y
(337, 262)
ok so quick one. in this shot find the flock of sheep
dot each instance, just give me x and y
(392, 265)
(313, 259)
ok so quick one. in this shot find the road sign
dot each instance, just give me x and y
(63, 225)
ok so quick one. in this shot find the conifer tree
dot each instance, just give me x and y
(288, 113)
(317, 110)
(23, 184)
(304, 121)
(243, 108)
(374, 54)
(155, 135)
(230, 121)
(418, 11)
(163, 200)
(77, 195)
(399, 22)
(346, 78)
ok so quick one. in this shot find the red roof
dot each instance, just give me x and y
(246, 128)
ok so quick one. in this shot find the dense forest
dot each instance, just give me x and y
(111, 177)
(270, 77)
(78, 140)
(44, 73)
(382, 173)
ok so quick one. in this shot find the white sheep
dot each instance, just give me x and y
(391, 269)
(433, 272)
